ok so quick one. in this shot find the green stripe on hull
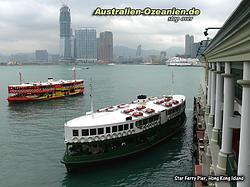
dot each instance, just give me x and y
(134, 143)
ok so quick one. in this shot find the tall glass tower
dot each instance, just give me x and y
(65, 33)
(86, 45)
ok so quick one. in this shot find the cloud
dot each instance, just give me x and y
(27, 25)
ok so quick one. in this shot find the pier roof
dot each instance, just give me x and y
(232, 41)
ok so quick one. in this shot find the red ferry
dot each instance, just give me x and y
(40, 91)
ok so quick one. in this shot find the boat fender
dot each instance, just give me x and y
(75, 139)
(82, 140)
(108, 136)
(103, 137)
(97, 138)
(129, 132)
(119, 135)
(133, 131)
(90, 139)
(114, 135)
(124, 133)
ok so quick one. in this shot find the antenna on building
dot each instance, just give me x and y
(64, 2)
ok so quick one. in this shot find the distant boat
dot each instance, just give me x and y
(111, 64)
(41, 91)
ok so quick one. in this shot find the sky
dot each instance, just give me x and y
(27, 25)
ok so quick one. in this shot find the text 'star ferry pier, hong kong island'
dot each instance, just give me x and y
(122, 130)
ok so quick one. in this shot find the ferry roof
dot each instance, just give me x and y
(45, 83)
(116, 114)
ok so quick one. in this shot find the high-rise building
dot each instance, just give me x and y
(195, 48)
(138, 51)
(189, 40)
(105, 47)
(42, 56)
(65, 33)
(85, 45)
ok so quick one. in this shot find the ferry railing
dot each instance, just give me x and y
(231, 169)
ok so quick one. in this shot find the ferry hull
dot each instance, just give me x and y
(43, 98)
(161, 132)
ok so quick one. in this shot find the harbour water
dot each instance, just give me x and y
(32, 134)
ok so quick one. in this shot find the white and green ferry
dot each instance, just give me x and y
(122, 130)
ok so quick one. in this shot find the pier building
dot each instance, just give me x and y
(222, 117)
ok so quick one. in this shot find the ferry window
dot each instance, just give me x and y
(107, 129)
(145, 121)
(126, 127)
(114, 129)
(151, 119)
(140, 122)
(131, 125)
(92, 131)
(100, 131)
(156, 117)
(85, 132)
(75, 132)
(120, 127)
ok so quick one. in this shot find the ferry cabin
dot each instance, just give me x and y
(123, 129)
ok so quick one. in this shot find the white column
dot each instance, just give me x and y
(228, 109)
(244, 150)
(208, 94)
(218, 104)
(212, 101)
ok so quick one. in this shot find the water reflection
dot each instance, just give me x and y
(147, 168)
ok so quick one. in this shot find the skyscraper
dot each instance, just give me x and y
(41, 56)
(86, 45)
(138, 51)
(105, 47)
(189, 40)
(65, 33)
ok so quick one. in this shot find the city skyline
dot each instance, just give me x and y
(27, 24)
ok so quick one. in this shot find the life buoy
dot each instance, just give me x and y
(140, 107)
(114, 135)
(119, 135)
(126, 111)
(108, 136)
(133, 131)
(82, 140)
(124, 133)
(159, 102)
(75, 139)
(110, 109)
(97, 138)
(129, 132)
(149, 110)
(167, 99)
(168, 104)
(175, 102)
(90, 139)
(137, 114)
(122, 105)
(103, 137)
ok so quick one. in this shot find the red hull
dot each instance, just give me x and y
(25, 99)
